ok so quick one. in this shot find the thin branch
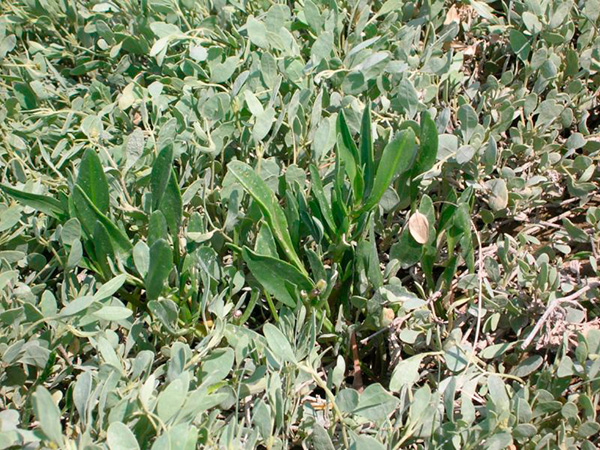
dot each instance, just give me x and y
(551, 307)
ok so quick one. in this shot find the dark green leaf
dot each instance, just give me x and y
(366, 150)
(88, 214)
(270, 208)
(43, 203)
(160, 265)
(92, 180)
(317, 189)
(161, 172)
(397, 158)
(171, 205)
(271, 272)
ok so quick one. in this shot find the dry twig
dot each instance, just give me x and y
(551, 307)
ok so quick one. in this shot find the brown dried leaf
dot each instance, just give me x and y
(418, 226)
(452, 16)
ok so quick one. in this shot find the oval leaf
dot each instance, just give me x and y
(419, 227)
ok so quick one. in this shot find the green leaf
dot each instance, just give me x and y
(87, 213)
(257, 33)
(160, 265)
(366, 150)
(456, 358)
(157, 227)
(320, 438)
(113, 313)
(406, 373)
(76, 306)
(120, 437)
(420, 404)
(496, 350)
(520, 44)
(171, 205)
(270, 272)
(498, 394)
(576, 233)
(71, 231)
(428, 149)
(110, 287)
(217, 365)
(43, 203)
(349, 155)
(134, 148)
(375, 403)
(171, 400)
(498, 196)
(263, 123)
(397, 158)
(278, 343)
(92, 180)
(265, 243)
(103, 249)
(498, 441)
(48, 415)
(141, 258)
(270, 208)
(317, 189)
(366, 443)
(408, 97)
(161, 172)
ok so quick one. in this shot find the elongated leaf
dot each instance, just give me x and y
(397, 158)
(103, 248)
(161, 263)
(338, 203)
(171, 204)
(278, 343)
(366, 150)
(161, 172)
(88, 214)
(265, 242)
(43, 203)
(47, 414)
(110, 287)
(350, 156)
(157, 227)
(317, 188)
(428, 148)
(427, 154)
(271, 273)
(92, 180)
(113, 313)
(348, 142)
(267, 202)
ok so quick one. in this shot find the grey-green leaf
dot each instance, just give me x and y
(47, 414)
(120, 437)
(320, 438)
(278, 343)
